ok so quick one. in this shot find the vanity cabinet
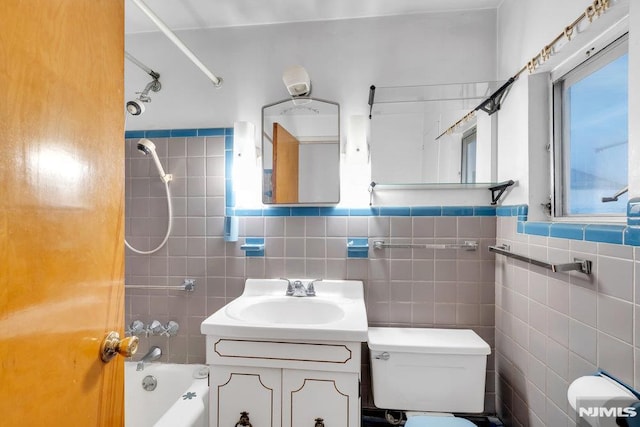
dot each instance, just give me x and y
(284, 383)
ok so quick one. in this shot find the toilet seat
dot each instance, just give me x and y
(437, 421)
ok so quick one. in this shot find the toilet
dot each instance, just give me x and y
(429, 373)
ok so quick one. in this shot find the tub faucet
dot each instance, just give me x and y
(154, 353)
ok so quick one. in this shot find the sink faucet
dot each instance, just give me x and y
(154, 353)
(297, 288)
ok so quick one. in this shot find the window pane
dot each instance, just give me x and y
(595, 113)
(469, 158)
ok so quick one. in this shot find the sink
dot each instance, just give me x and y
(336, 313)
(307, 311)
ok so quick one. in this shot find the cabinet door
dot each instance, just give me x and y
(233, 390)
(308, 395)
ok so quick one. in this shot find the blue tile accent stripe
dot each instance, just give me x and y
(604, 233)
(632, 236)
(537, 228)
(457, 211)
(567, 231)
(373, 211)
(395, 211)
(175, 133)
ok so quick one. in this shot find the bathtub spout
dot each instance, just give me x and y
(154, 353)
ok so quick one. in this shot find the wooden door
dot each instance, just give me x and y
(61, 211)
(285, 165)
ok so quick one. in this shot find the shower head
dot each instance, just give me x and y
(146, 147)
(136, 107)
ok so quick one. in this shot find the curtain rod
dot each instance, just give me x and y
(217, 81)
(597, 8)
(140, 65)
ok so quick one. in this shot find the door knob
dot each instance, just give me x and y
(112, 345)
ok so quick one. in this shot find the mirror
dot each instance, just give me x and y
(301, 152)
(406, 123)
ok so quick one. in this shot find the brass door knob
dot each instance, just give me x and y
(112, 345)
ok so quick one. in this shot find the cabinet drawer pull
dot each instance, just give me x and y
(319, 422)
(244, 419)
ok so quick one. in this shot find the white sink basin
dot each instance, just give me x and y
(336, 313)
(308, 311)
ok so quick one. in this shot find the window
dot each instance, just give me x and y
(469, 157)
(591, 134)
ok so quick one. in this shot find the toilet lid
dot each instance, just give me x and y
(436, 421)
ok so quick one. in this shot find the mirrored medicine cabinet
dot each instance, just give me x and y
(301, 152)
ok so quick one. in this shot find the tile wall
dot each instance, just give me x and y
(403, 287)
(554, 327)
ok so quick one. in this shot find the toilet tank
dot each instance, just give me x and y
(434, 370)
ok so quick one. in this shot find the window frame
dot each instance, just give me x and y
(569, 73)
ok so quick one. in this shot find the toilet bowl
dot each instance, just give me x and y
(434, 372)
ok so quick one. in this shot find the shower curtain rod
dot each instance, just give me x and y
(140, 65)
(217, 81)
(492, 104)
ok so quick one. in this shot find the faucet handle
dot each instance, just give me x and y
(289, 291)
(311, 290)
(155, 328)
(170, 329)
(136, 327)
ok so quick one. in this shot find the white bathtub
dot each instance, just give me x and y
(179, 400)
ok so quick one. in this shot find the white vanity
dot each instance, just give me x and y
(287, 360)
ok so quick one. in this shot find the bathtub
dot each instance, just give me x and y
(180, 398)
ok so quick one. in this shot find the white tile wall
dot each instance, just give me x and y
(573, 324)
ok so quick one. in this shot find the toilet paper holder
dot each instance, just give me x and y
(602, 396)
(603, 373)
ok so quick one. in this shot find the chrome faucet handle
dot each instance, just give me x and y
(298, 289)
(136, 327)
(289, 291)
(155, 328)
(170, 329)
(311, 290)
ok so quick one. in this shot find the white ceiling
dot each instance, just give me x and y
(195, 14)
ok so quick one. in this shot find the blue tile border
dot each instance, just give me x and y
(632, 236)
(616, 234)
(134, 134)
(175, 133)
(484, 211)
(408, 211)
(457, 211)
(305, 211)
(537, 228)
(159, 133)
(605, 233)
(395, 211)
(567, 231)
(426, 211)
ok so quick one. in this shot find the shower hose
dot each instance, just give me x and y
(166, 236)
